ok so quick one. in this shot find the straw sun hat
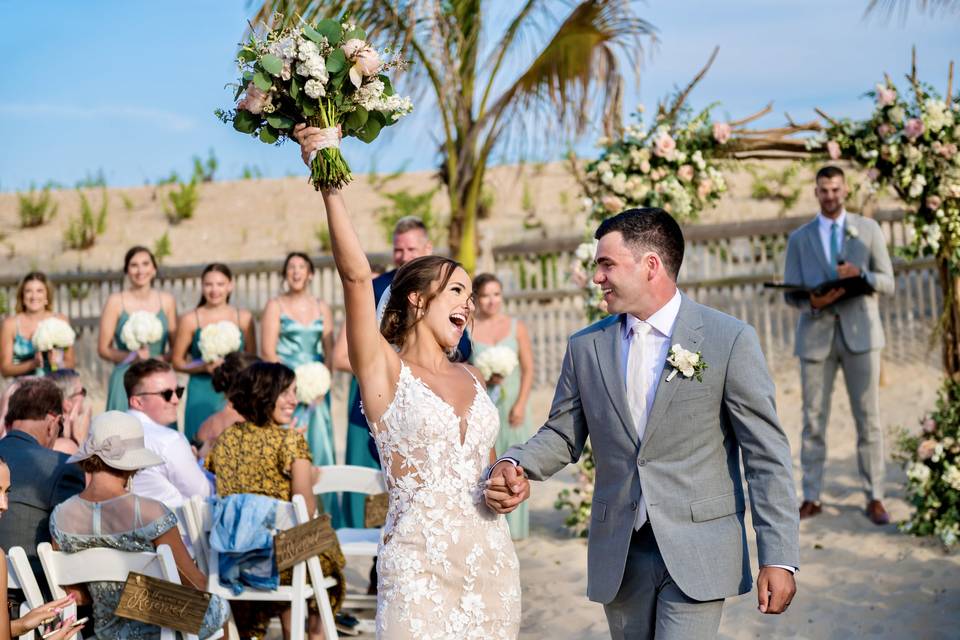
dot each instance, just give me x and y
(117, 438)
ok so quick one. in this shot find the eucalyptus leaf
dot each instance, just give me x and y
(387, 85)
(370, 130)
(308, 107)
(357, 33)
(294, 88)
(336, 61)
(356, 119)
(279, 121)
(272, 64)
(331, 30)
(245, 122)
(262, 80)
(312, 34)
(269, 135)
(247, 55)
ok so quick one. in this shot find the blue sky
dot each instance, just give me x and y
(129, 87)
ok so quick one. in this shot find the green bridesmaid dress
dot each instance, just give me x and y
(23, 351)
(202, 400)
(504, 398)
(300, 344)
(116, 394)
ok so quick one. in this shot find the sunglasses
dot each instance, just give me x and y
(166, 394)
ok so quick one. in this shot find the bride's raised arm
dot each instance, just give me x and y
(374, 361)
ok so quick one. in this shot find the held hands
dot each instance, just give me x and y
(507, 487)
(775, 589)
(312, 139)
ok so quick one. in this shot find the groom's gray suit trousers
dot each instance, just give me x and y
(650, 605)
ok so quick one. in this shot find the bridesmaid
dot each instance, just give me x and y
(492, 328)
(18, 356)
(140, 266)
(202, 400)
(297, 329)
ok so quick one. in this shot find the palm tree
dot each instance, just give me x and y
(573, 80)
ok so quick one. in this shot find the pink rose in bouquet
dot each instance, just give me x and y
(253, 100)
(721, 132)
(664, 146)
(886, 96)
(366, 61)
(913, 129)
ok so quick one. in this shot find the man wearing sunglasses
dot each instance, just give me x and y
(153, 397)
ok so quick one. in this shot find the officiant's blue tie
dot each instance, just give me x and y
(834, 247)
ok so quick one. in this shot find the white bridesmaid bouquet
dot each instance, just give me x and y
(325, 74)
(53, 333)
(313, 382)
(219, 339)
(141, 329)
(499, 361)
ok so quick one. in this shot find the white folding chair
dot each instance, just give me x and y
(289, 514)
(20, 576)
(109, 565)
(354, 542)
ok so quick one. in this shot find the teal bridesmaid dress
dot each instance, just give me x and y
(23, 351)
(116, 394)
(300, 344)
(202, 400)
(509, 389)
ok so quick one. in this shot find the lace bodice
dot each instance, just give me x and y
(447, 568)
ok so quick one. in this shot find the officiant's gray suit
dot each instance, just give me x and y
(687, 467)
(846, 335)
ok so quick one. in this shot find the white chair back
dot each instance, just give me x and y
(107, 565)
(336, 478)
(199, 515)
(20, 576)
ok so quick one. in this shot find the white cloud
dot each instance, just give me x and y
(156, 117)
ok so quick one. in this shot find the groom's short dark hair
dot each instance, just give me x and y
(649, 229)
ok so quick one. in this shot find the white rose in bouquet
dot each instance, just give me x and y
(313, 382)
(141, 329)
(53, 333)
(499, 361)
(218, 339)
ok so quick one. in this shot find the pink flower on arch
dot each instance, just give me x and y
(913, 129)
(612, 203)
(886, 96)
(885, 130)
(833, 149)
(664, 146)
(685, 173)
(929, 425)
(926, 449)
(721, 132)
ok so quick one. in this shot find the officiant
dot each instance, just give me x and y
(841, 259)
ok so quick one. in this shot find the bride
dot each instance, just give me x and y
(446, 567)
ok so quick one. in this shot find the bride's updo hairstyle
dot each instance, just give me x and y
(417, 276)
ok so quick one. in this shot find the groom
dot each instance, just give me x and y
(667, 539)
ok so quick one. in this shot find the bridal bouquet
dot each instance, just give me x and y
(141, 329)
(326, 75)
(500, 361)
(53, 333)
(313, 382)
(219, 339)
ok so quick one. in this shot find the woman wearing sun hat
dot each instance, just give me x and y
(106, 514)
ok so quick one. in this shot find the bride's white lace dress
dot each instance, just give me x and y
(446, 568)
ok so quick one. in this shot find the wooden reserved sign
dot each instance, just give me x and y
(375, 510)
(307, 540)
(163, 603)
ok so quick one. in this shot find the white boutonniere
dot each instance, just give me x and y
(851, 232)
(688, 363)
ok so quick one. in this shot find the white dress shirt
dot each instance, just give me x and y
(824, 225)
(180, 477)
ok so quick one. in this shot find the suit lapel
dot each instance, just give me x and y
(608, 345)
(813, 238)
(686, 333)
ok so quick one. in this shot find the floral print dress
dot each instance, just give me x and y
(446, 568)
(126, 523)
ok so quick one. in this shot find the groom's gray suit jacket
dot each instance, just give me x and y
(858, 319)
(688, 465)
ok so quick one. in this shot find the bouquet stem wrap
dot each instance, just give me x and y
(328, 167)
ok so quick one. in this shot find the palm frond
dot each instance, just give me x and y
(888, 8)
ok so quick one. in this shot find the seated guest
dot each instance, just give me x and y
(106, 515)
(76, 411)
(153, 395)
(43, 477)
(264, 456)
(223, 378)
(39, 615)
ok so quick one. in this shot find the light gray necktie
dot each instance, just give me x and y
(638, 385)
